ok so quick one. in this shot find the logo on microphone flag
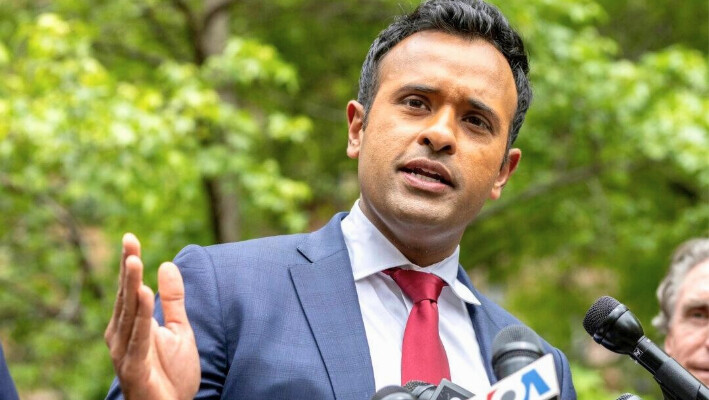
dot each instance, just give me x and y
(536, 381)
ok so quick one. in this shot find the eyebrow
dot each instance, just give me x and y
(416, 88)
(473, 102)
(480, 106)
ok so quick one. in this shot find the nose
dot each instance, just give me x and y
(439, 134)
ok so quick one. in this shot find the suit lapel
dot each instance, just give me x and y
(327, 293)
(484, 326)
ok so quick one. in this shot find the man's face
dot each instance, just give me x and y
(688, 338)
(433, 148)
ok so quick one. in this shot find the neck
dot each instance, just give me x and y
(422, 246)
(424, 256)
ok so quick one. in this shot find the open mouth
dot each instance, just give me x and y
(426, 175)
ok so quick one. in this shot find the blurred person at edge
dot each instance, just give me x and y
(683, 295)
(7, 387)
(442, 96)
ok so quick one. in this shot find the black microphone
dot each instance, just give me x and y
(392, 393)
(513, 348)
(628, 396)
(446, 390)
(611, 324)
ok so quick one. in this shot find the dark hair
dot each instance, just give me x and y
(466, 18)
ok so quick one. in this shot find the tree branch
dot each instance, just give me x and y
(193, 30)
(567, 178)
(161, 34)
(76, 239)
(209, 15)
(72, 308)
(129, 52)
(39, 307)
(223, 210)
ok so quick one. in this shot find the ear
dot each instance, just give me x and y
(509, 167)
(355, 128)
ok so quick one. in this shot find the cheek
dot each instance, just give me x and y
(684, 342)
(482, 167)
(376, 156)
(380, 144)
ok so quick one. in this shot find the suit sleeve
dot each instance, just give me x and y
(204, 312)
(566, 386)
(7, 387)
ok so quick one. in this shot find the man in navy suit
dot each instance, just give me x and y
(443, 94)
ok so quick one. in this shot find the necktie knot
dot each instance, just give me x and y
(418, 286)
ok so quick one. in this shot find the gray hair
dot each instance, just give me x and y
(688, 255)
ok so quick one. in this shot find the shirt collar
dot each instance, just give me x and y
(371, 252)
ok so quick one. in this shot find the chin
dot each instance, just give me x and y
(423, 216)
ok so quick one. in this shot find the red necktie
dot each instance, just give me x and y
(423, 357)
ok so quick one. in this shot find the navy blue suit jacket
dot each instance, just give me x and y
(7, 387)
(278, 318)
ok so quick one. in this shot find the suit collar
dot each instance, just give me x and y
(329, 298)
(371, 252)
(324, 242)
(327, 293)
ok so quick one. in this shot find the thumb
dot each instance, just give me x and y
(172, 294)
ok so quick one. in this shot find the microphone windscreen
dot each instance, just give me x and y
(628, 396)
(413, 385)
(512, 334)
(513, 348)
(598, 313)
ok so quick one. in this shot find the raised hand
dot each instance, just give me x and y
(151, 361)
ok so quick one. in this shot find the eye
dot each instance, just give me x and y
(697, 317)
(478, 122)
(415, 102)
(698, 314)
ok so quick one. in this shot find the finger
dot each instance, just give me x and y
(130, 246)
(131, 294)
(172, 294)
(140, 341)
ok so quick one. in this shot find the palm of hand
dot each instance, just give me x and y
(171, 368)
(151, 361)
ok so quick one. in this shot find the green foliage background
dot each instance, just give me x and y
(115, 116)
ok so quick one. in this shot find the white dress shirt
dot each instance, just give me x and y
(385, 308)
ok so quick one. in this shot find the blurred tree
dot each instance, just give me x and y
(175, 119)
(650, 25)
(92, 145)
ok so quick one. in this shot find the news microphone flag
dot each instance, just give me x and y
(536, 381)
